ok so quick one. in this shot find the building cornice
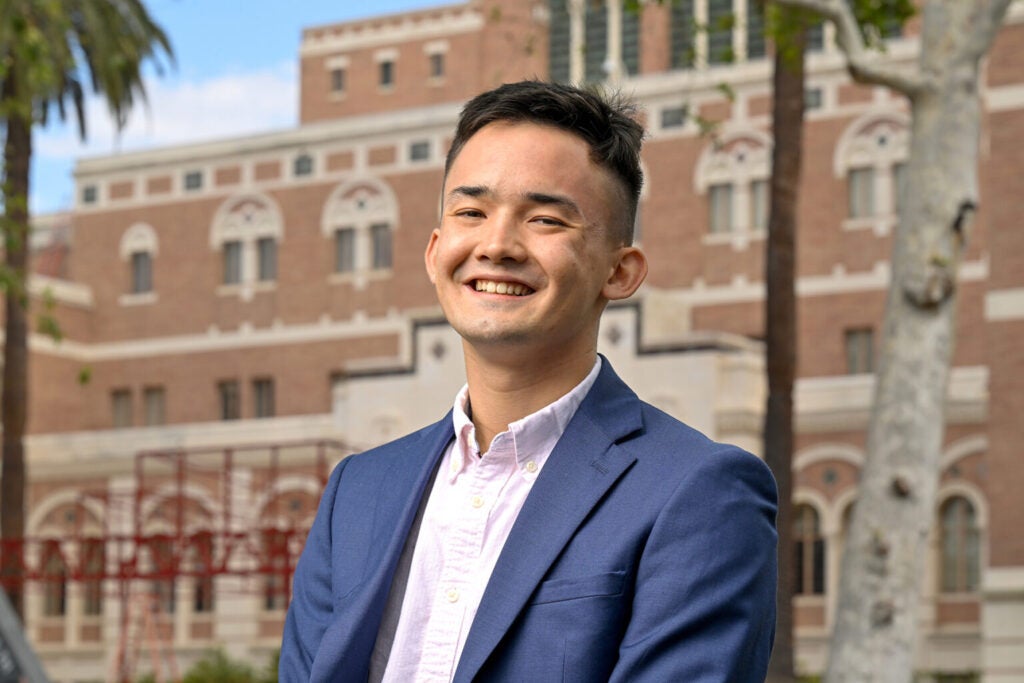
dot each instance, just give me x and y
(392, 29)
(356, 129)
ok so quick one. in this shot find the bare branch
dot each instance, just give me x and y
(865, 65)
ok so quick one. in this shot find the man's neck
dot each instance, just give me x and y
(502, 392)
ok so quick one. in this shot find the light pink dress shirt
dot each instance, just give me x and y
(472, 506)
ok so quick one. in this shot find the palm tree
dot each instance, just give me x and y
(51, 52)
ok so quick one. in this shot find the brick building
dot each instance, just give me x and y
(255, 308)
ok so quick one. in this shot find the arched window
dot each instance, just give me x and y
(360, 217)
(275, 578)
(139, 248)
(163, 570)
(55, 580)
(809, 547)
(247, 231)
(92, 559)
(870, 154)
(734, 172)
(202, 566)
(960, 546)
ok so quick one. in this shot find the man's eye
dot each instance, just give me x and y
(469, 213)
(548, 220)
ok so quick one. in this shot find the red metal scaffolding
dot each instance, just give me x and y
(239, 511)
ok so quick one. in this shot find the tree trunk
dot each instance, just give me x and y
(780, 315)
(17, 153)
(885, 557)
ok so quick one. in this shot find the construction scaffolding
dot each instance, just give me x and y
(195, 514)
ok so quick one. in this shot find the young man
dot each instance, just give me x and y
(552, 526)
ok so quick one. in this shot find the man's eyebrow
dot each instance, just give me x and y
(553, 199)
(468, 191)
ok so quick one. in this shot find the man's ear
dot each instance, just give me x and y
(630, 271)
(428, 255)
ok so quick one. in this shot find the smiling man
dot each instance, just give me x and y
(552, 526)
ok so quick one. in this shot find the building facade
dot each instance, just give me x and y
(238, 315)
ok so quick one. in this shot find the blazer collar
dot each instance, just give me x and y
(583, 466)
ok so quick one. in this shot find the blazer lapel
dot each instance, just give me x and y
(396, 499)
(582, 467)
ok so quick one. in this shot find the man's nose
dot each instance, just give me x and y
(501, 240)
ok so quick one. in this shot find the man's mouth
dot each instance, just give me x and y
(493, 287)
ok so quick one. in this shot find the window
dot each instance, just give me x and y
(338, 80)
(89, 194)
(759, 204)
(684, 32)
(733, 171)
(266, 249)
(202, 566)
(263, 397)
(93, 563)
(232, 263)
(960, 550)
(360, 217)
(380, 234)
(870, 154)
(138, 249)
(673, 117)
(809, 565)
(303, 165)
(861, 189)
(162, 570)
(142, 272)
(153, 405)
(275, 586)
(816, 37)
(720, 203)
(437, 65)
(860, 350)
(586, 57)
(193, 180)
(720, 24)
(419, 150)
(387, 73)
(230, 406)
(55, 581)
(248, 230)
(812, 98)
(121, 407)
(345, 250)
(755, 29)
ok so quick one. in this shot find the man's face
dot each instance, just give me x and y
(523, 258)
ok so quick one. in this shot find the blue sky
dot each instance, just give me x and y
(236, 72)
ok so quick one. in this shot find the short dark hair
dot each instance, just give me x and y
(606, 122)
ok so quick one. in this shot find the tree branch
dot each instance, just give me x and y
(990, 19)
(864, 65)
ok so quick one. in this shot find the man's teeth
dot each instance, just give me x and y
(492, 287)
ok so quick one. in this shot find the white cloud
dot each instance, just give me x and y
(177, 112)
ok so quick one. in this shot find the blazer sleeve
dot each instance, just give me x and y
(704, 602)
(311, 608)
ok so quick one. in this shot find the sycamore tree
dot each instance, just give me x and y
(52, 54)
(884, 559)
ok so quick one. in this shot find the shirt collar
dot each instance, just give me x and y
(530, 439)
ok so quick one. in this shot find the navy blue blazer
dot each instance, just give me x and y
(644, 552)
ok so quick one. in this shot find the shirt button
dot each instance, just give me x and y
(452, 595)
(531, 467)
(477, 502)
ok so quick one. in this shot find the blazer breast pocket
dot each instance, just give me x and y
(574, 588)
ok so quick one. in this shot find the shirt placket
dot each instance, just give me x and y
(468, 512)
